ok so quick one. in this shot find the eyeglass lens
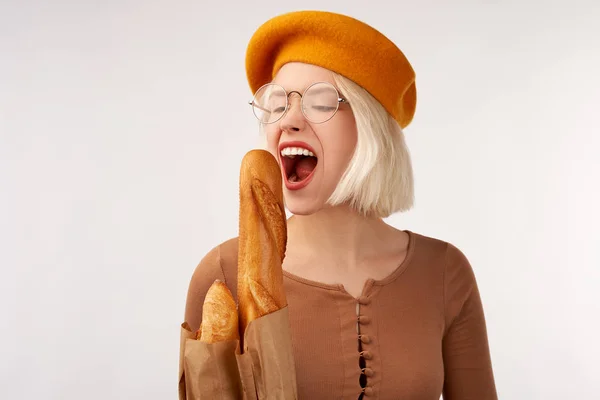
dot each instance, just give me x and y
(319, 103)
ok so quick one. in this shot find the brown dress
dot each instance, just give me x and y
(415, 335)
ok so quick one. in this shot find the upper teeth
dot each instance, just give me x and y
(296, 151)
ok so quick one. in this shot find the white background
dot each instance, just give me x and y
(122, 125)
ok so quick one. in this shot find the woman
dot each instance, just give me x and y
(375, 312)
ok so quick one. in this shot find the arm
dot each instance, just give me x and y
(467, 362)
(208, 270)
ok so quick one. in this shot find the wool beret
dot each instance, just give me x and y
(341, 44)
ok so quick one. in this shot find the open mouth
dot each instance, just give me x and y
(298, 164)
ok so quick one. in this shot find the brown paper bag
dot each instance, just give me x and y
(207, 371)
(267, 369)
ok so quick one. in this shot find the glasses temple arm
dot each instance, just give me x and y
(252, 103)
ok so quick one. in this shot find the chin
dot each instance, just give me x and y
(303, 207)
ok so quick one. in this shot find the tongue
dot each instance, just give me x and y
(305, 166)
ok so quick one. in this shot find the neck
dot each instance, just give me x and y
(337, 231)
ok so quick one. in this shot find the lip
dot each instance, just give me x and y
(306, 181)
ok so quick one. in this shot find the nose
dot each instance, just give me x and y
(293, 120)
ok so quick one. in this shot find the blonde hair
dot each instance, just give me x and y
(379, 178)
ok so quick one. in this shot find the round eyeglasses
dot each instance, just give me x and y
(319, 102)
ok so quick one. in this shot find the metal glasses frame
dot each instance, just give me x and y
(340, 100)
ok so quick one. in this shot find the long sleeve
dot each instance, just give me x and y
(467, 362)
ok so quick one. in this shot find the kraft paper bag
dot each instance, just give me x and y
(207, 371)
(220, 371)
(266, 367)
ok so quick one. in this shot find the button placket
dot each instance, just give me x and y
(364, 340)
(368, 372)
(368, 391)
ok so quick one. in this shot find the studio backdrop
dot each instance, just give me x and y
(122, 129)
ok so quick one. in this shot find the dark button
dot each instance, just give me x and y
(363, 319)
(368, 391)
(366, 355)
(364, 338)
(367, 371)
(364, 300)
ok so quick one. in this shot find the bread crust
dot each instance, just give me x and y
(262, 238)
(219, 315)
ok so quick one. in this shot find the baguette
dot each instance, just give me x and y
(219, 315)
(262, 238)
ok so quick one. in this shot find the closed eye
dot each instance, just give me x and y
(323, 108)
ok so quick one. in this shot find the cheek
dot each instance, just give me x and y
(351, 137)
(340, 148)
(348, 145)
(272, 141)
(336, 161)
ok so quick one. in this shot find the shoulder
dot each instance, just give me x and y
(459, 281)
(440, 254)
(451, 262)
(457, 273)
(446, 254)
(220, 262)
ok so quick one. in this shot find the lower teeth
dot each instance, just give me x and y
(293, 178)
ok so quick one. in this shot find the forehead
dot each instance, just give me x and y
(299, 76)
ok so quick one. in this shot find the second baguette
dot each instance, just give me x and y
(219, 315)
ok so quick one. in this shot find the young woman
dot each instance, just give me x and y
(375, 312)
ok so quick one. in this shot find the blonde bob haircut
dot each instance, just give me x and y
(378, 181)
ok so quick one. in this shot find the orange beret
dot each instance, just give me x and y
(341, 44)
